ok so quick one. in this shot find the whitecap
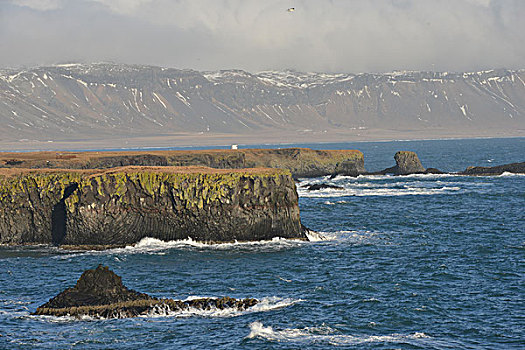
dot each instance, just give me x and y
(508, 174)
(150, 245)
(264, 305)
(327, 335)
(314, 236)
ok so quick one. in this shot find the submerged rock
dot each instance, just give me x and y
(316, 187)
(100, 293)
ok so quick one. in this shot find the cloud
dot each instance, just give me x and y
(328, 35)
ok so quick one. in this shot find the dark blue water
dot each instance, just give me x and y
(415, 262)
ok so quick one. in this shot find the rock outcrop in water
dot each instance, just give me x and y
(317, 187)
(100, 293)
(514, 168)
(123, 205)
(302, 162)
(407, 163)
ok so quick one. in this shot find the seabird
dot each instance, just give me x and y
(291, 9)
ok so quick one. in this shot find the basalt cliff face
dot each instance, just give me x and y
(123, 205)
(301, 162)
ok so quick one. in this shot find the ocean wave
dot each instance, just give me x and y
(508, 174)
(148, 245)
(327, 335)
(314, 236)
(264, 305)
(156, 246)
(410, 176)
(352, 237)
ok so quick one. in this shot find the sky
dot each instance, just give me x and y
(351, 36)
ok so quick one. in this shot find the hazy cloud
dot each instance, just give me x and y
(321, 35)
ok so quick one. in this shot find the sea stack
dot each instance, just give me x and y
(407, 163)
(100, 293)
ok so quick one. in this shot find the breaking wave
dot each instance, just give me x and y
(264, 305)
(389, 186)
(156, 246)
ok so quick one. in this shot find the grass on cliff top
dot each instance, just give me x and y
(9, 172)
(86, 156)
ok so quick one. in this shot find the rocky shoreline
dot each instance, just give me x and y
(100, 293)
(408, 163)
(100, 200)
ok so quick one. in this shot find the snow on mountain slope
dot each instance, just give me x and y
(103, 99)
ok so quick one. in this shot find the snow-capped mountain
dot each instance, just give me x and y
(82, 101)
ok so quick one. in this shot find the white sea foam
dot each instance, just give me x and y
(150, 245)
(410, 176)
(411, 185)
(314, 236)
(506, 173)
(264, 305)
(328, 335)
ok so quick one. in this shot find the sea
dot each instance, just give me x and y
(400, 262)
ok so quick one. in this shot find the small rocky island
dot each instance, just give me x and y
(100, 293)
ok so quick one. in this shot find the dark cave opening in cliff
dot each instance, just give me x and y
(59, 217)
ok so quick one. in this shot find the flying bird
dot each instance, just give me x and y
(291, 9)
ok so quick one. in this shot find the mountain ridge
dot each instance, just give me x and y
(107, 101)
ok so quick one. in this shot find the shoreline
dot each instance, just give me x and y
(205, 142)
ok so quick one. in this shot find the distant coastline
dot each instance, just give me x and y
(214, 142)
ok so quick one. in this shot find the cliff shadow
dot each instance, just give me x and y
(59, 217)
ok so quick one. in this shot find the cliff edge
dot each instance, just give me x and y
(301, 162)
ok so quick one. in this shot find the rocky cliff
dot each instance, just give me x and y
(111, 101)
(301, 162)
(514, 168)
(123, 205)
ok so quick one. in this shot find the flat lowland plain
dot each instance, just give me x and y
(275, 137)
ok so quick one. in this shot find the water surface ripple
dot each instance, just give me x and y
(413, 262)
